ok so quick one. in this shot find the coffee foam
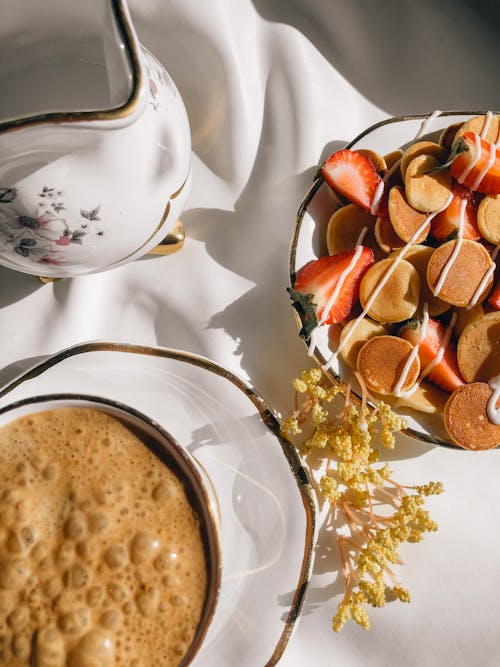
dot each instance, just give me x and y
(101, 555)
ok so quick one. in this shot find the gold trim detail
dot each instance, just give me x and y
(126, 32)
(299, 472)
(318, 182)
(47, 279)
(172, 242)
(163, 220)
(179, 190)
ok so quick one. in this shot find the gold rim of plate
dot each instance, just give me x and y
(318, 182)
(271, 422)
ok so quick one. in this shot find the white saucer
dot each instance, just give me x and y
(266, 504)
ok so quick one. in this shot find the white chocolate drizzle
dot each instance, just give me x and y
(425, 124)
(486, 125)
(442, 348)
(456, 250)
(437, 359)
(470, 166)
(491, 408)
(413, 355)
(377, 197)
(486, 278)
(383, 282)
(491, 159)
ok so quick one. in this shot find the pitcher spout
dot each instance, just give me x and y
(70, 61)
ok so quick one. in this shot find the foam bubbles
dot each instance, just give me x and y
(165, 559)
(50, 648)
(65, 555)
(95, 649)
(19, 617)
(147, 601)
(110, 619)
(143, 547)
(97, 537)
(164, 490)
(79, 576)
(21, 647)
(13, 574)
(98, 522)
(116, 556)
(76, 621)
(75, 527)
(94, 596)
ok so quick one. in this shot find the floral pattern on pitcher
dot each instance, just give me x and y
(43, 234)
(157, 79)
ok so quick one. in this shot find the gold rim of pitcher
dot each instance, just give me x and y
(126, 32)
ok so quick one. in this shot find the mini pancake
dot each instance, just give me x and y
(399, 297)
(465, 274)
(391, 159)
(422, 148)
(426, 398)
(488, 218)
(405, 219)
(465, 316)
(419, 256)
(476, 125)
(447, 136)
(381, 361)
(466, 419)
(478, 349)
(426, 192)
(376, 159)
(386, 237)
(345, 226)
(363, 331)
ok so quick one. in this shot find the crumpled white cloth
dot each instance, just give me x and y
(271, 87)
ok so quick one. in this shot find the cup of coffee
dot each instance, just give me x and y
(109, 543)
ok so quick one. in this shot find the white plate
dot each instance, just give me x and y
(266, 503)
(309, 238)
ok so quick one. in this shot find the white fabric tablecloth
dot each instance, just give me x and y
(271, 87)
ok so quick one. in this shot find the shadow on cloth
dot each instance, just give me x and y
(15, 286)
(258, 234)
(399, 53)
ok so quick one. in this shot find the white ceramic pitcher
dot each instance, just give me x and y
(95, 147)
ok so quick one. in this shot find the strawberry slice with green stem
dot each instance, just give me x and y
(475, 163)
(318, 281)
(446, 373)
(444, 226)
(353, 175)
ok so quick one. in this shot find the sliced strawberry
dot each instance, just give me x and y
(494, 297)
(445, 224)
(318, 280)
(473, 152)
(446, 373)
(353, 175)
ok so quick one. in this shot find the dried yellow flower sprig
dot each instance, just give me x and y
(376, 513)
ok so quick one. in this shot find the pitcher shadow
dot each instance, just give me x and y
(15, 286)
